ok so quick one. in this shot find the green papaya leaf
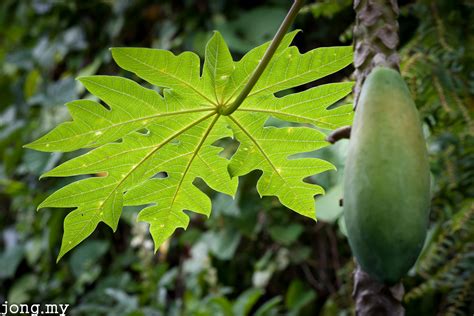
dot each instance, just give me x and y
(147, 148)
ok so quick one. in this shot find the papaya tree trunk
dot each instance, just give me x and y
(375, 44)
(375, 38)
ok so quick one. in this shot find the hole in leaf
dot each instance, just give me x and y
(117, 141)
(229, 146)
(281, 94)
(276, 122)
(144, 131)
(160, 175)
(105, 105)
(337, 104)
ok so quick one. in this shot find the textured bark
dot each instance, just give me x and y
(375, 44)
(375, 38)
(374, 298)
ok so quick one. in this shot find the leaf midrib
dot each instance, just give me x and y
(170, 138)
(158, 147)
(293, 115)
(173, 76)
(294, 77)
(243, 129)
(196, 151)
(158, 115)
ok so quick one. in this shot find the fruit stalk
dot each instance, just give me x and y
(285, 25)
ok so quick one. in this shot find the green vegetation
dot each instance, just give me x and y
(172, 136)
(252, 256)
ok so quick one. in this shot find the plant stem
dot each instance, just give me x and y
(375, 39)
(291, 15)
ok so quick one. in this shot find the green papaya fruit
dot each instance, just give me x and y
(386, 179)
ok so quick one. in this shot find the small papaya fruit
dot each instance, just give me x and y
(386, 179)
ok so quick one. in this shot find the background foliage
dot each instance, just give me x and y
(252, 256)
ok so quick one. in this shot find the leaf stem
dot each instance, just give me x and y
(291, 15)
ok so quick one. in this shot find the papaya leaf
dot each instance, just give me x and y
(147, 148)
